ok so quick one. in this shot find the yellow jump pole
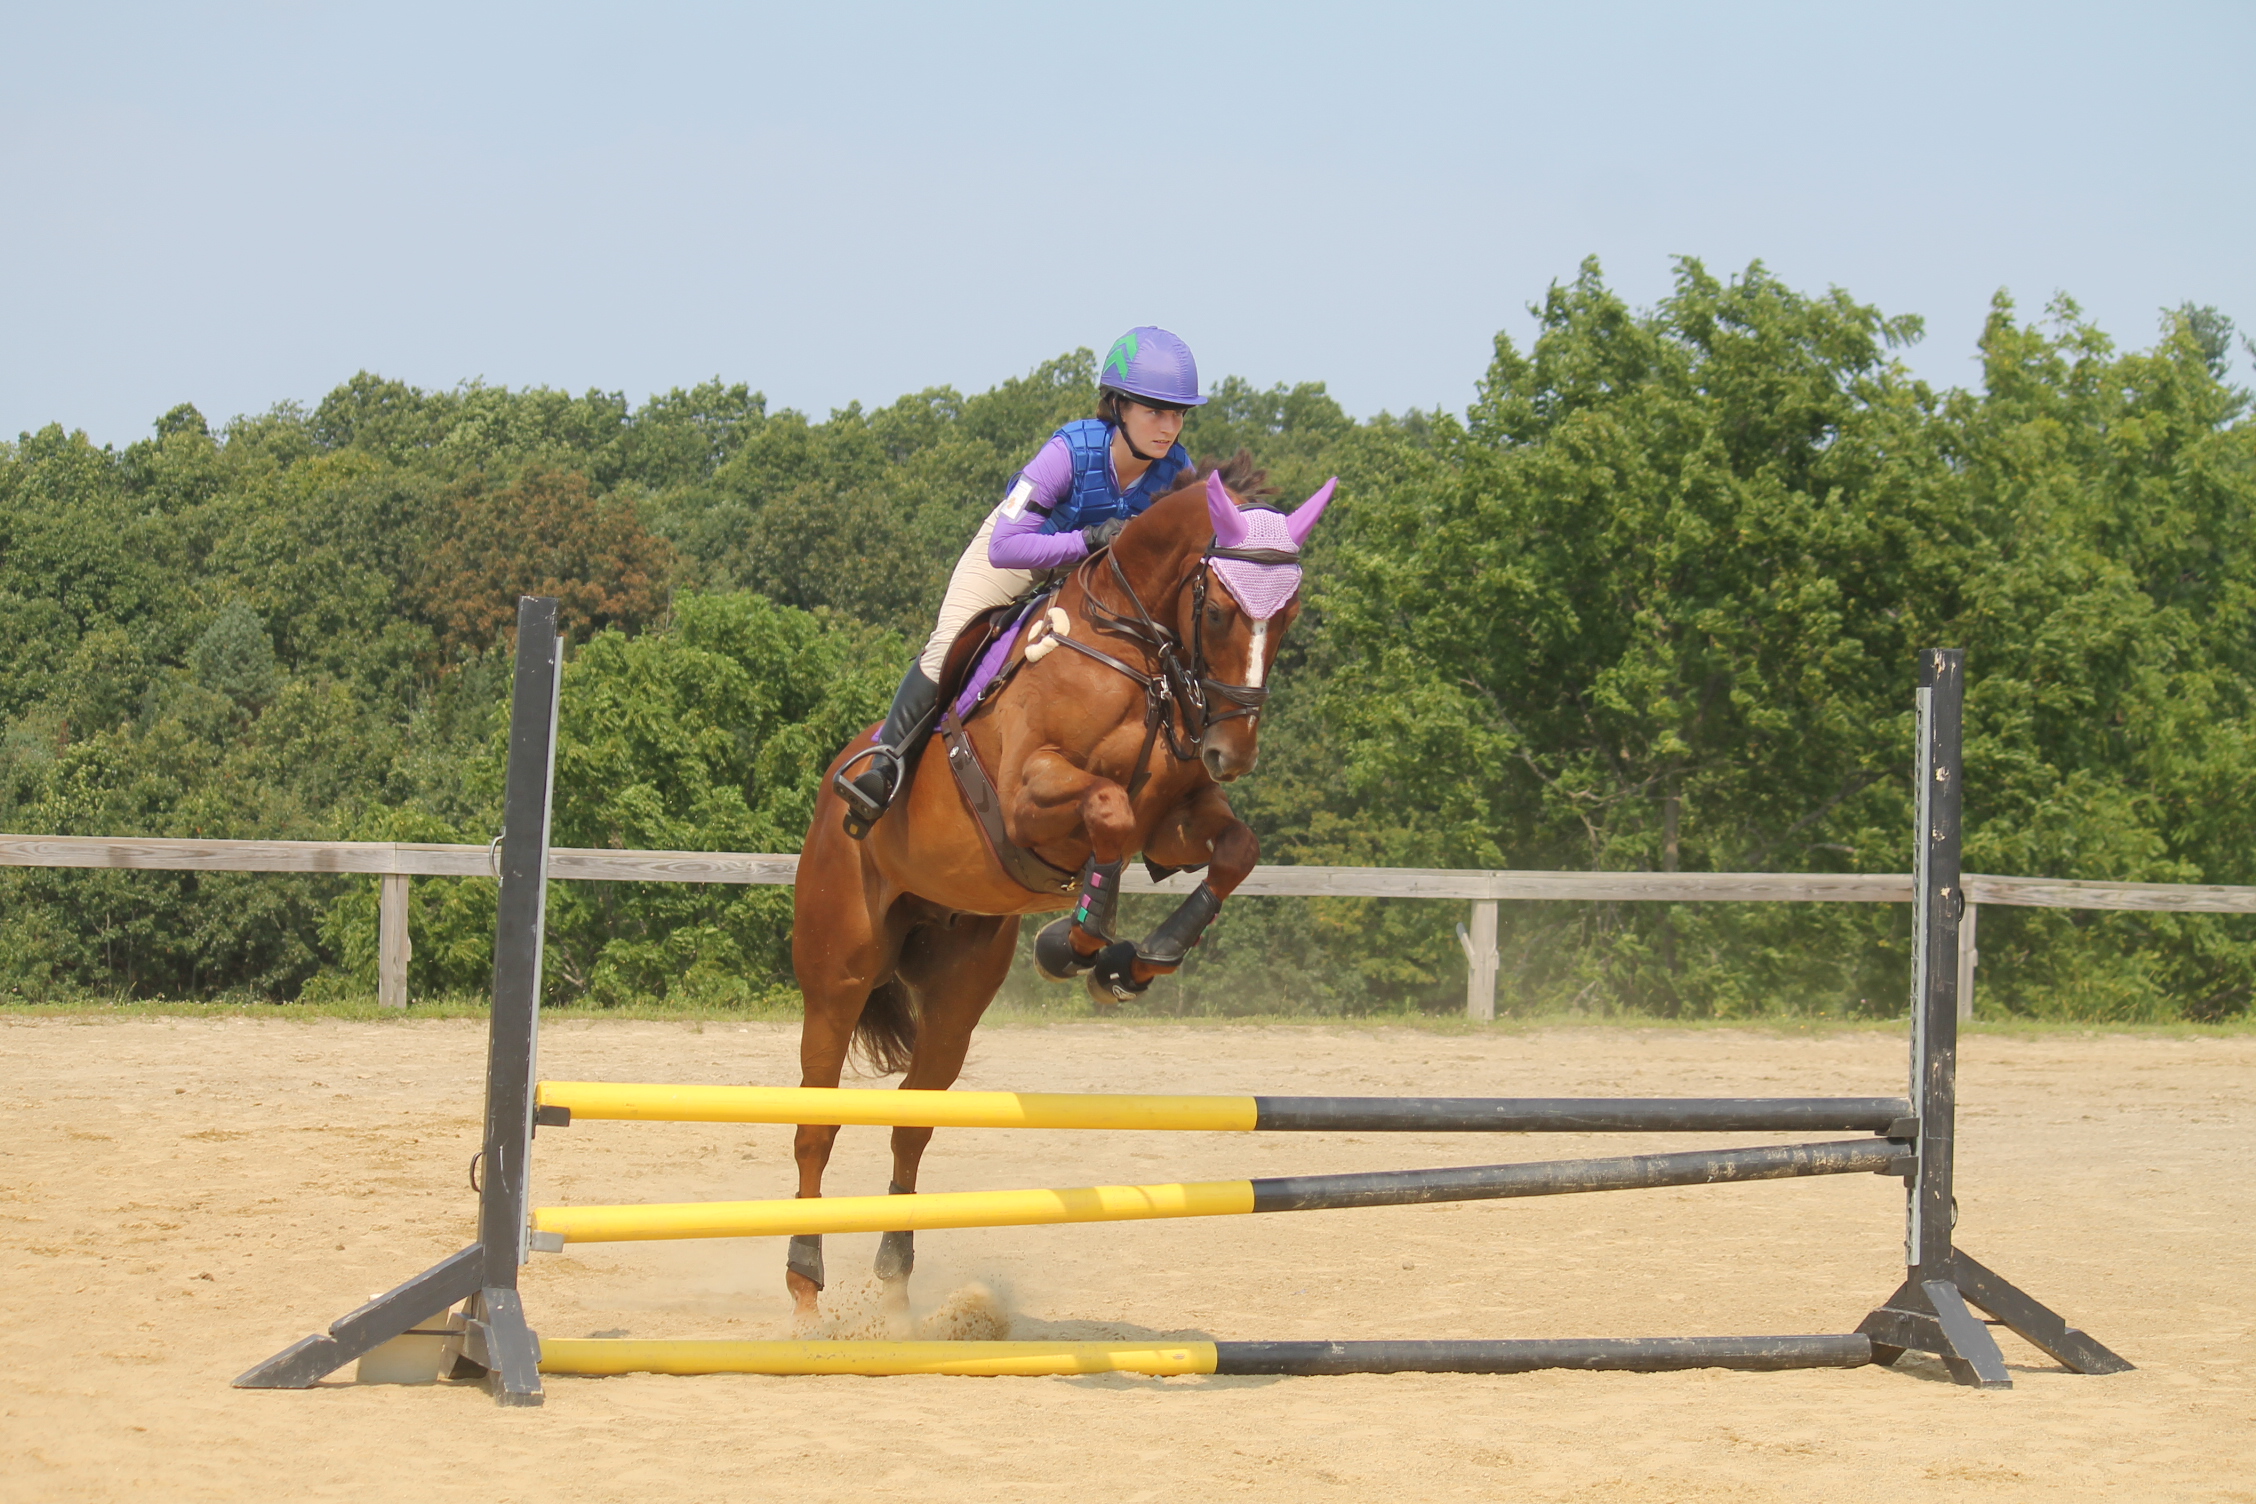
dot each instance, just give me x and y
(920, 1213)
(611, 1355)
(560, 1103)
(894, 1109)
(554, 1226)
(607, 1355)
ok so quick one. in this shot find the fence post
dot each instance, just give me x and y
(393, 947)
(1968, 959)
(1480, 962)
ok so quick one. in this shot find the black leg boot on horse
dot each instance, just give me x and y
(1111, 968)
(1070, 946)
(869, 793)
(1124, 970)
(896, 1258)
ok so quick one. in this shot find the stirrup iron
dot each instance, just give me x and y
(863, 809)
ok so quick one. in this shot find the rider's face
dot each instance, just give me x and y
(1153, 429)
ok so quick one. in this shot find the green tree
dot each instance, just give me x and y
(1651, 601)
(710, 735)
(2112, 651)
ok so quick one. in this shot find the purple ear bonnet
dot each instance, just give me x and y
(1262, 589)
(1229, 522)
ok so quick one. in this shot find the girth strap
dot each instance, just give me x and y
(1023, 867)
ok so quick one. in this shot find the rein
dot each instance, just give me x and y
(1176, 692)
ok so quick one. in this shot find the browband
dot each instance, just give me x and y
(1256, 555)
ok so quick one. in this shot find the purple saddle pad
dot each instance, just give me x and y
(991, 662)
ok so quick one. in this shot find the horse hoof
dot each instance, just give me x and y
(896, 1256)
(1112, 979)
(1054, 955)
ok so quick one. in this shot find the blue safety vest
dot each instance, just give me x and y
(1093, 497)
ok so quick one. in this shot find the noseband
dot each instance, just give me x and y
(1176, 693)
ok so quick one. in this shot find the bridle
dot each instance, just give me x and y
(1176, 692)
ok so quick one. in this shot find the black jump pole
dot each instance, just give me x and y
(1568, 1177)
(1597, 1354)
(1582, 1114)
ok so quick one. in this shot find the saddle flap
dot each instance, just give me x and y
(974, 640)
(968, 654)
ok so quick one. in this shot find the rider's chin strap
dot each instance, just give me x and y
(1120, 422)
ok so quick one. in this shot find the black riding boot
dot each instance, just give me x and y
(869, 792)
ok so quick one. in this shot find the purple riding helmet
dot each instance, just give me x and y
(1262, 586)
(1150, 363)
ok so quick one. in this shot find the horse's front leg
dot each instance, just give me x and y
(1203, 829)
(1053, 798)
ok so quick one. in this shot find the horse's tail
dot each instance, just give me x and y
(887, 1034)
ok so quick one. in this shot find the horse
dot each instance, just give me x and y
(1105, 733)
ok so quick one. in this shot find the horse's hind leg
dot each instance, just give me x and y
(823, 1041)
(956, 966)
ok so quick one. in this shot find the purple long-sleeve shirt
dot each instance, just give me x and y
(1018, 541)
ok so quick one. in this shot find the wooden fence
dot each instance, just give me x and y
(397, 863)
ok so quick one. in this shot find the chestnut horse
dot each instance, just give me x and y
(1109, 738)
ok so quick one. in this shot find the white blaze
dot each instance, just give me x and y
(1257, 655)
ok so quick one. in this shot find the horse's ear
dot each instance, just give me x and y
(1229, 525)
(1302, 520)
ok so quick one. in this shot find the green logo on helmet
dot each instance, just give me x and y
(1123, 351)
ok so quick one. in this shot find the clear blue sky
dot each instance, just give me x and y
(236, 205)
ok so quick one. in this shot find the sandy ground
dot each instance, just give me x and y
(181, 1198)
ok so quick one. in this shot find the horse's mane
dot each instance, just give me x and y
(1246, 480)
(1178, 520)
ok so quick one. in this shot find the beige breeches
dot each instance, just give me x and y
(974, 587)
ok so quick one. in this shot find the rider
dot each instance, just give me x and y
(1072, 499)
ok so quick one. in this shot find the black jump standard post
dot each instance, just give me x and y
(1928, 1313)
(493, 1339)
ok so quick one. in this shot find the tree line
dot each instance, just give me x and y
(1650, 602)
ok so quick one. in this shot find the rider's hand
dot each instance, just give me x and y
(1097, 535)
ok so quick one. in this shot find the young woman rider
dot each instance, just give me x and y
(1072, 498)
